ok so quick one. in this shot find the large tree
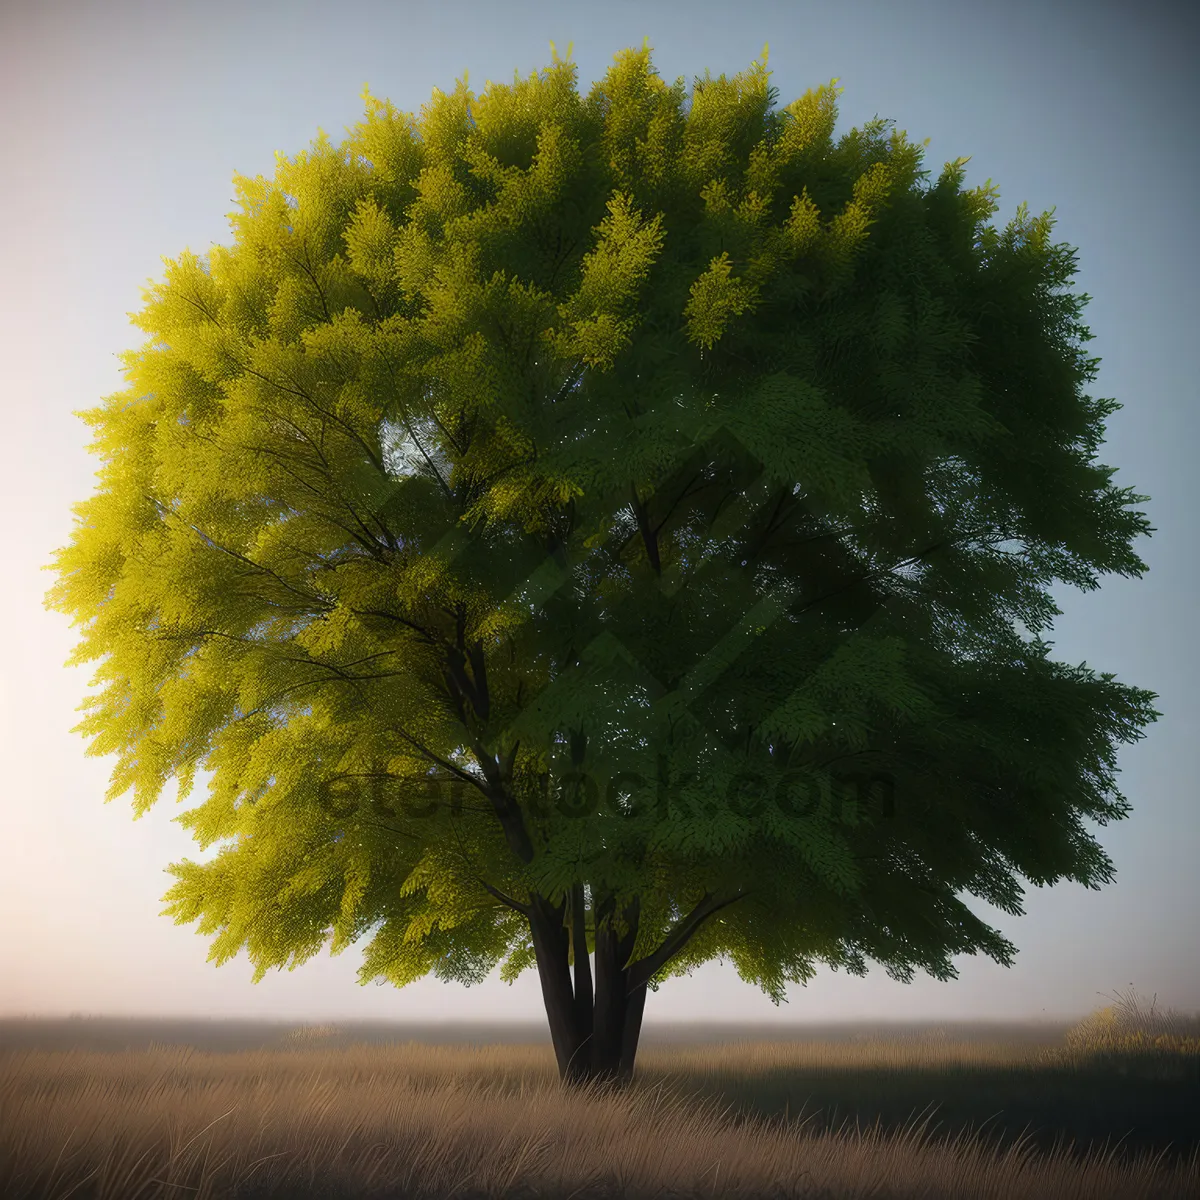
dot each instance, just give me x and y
(577, 527)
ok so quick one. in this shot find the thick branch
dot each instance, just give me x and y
(679, 936)
(579, 951)
(516, 905)
(387, 616)
(465, 776)
(648, 535)
(509, 761)
(511, 820)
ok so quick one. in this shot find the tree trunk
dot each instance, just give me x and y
(595, 1033)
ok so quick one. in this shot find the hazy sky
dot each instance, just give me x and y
(123, 125)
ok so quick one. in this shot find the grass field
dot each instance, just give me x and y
(105, 1109)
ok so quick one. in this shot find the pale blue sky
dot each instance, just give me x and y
(124, 122)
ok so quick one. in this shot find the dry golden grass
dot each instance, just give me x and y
(1130, 1032)
(318, 1119)
(1128, 1022)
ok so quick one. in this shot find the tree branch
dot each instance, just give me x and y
(648, 537)
(387, 616)
(515, 905)
(678, 937)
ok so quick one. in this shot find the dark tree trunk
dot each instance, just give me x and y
(550, 945)
(595, 1030)
(583, 971)
(595, 1027)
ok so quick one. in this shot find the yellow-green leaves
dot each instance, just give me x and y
(387, 141)
(626, 248)
(848, 229)
(810, 129)
(642, 120)
(715, 297)
(725, 120)
(803, 226)
(371, 240)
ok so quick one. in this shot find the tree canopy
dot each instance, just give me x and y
(563, 522)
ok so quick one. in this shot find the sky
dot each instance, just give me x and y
(124, 122)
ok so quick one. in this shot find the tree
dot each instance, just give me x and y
(573, 528)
